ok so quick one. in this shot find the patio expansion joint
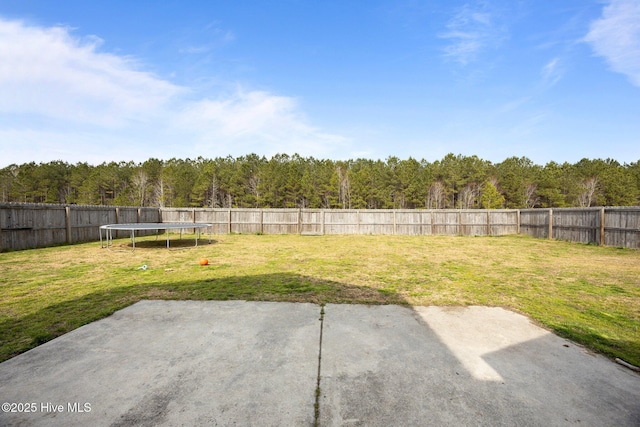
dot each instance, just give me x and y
(316, 405)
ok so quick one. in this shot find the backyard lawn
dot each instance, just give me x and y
(589, 294)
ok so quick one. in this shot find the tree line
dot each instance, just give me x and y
(285, 181)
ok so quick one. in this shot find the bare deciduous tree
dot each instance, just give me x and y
(140, 180)
(254, 187)
(159, 195)
(469, 195)
(530, 197)
(436, 196)
(344, 191)
(587, 196)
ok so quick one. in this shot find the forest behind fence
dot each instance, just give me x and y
(252, 181)
(25, 226)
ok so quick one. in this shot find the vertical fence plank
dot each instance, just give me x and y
(488, 223)
(433, 230)
(602, 226)
(261, 221)
(395, 224)
(67, 220)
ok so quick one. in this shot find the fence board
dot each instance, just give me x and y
(31, 226)
(445, 222)
(311, 221)
(246, 221)
(503, 222)
(86, 222)
(341, 222)
(375, 222)
(622, 227)
(535, 222)
(473, 223)
(411, 222)
(576, 225)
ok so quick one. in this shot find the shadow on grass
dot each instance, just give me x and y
(161, 242)
(18, 335)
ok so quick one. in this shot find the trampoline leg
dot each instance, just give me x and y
(107, 238)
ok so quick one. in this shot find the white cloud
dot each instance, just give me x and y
(47, 72)
(471, 30)
(616, 37)
(253, 119)
(62, 98)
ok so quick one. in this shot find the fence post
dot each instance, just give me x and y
(550, 223)
(261, 221)
(433, 228)
(602, 218)
(67, 219)
(229, 222)
(394, 222)
(518, 222)
(322, 225)
(488, 223)
(299, 220)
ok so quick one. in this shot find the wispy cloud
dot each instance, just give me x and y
(513, 105)
(616, 37)
(209, 38)
(60, 94)
(472, 29)
(552, 72)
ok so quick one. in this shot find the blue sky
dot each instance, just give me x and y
(128, 80)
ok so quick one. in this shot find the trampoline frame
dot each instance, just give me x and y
(150, 226)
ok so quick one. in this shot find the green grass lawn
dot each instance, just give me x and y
(586, 293)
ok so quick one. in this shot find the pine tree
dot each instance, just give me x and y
(491, 198)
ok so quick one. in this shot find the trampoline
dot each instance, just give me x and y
(150, 226)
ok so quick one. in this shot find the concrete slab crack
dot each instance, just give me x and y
(316, 405)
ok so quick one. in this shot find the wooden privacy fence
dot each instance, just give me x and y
(25, 226)
(350, 221)
(610, 226)
(30, 226)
